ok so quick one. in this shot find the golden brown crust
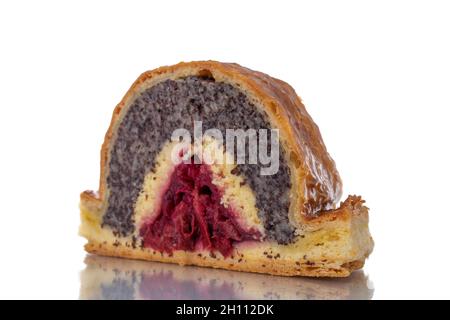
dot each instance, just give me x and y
(262, 265)
(320, 186)
(353, 205)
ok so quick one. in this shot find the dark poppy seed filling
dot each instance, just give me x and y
(148, 125)
(191, 216)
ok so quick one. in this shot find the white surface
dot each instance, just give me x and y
(375, 77)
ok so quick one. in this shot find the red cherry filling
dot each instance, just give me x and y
(192, 217)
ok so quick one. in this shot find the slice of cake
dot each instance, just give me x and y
(213, 164)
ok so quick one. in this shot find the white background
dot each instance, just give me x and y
(375, 76)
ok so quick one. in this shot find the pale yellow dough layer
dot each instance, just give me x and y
(332, 247)
(237, 195)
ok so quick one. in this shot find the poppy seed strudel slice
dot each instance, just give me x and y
(160, 199)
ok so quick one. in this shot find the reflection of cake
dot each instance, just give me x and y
(112, 278)
(226, 215)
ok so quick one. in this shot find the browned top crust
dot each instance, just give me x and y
(351, 207)
(317, 179)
